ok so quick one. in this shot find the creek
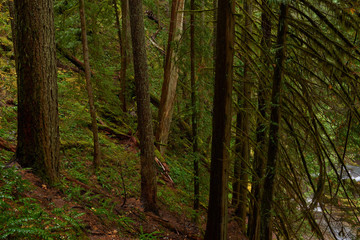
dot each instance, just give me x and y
(337, 227)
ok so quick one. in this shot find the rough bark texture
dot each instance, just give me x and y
(269, 182)
(259, 158)
(147, 157)
(38, 121)
(217, 210)
(94, 128)
(242, 148)
(171, 75)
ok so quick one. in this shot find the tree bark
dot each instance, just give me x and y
(38, 121)
(259, 158)
(216, 227)
(145, 127)
(273, 148)
(94, 128)
(171, 75)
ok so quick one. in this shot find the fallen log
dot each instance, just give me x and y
(72, 59)
(7, 146)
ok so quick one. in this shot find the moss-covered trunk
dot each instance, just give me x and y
(38, 121)
(145, 127)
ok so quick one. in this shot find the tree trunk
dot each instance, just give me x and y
(194, 118)
(38, 121)
(13, 25)
(243, 129)
(123, 50)
(171, 75)
(94, 128)
(216, 227)
(269, 182)
(259, 158)
(147, 157)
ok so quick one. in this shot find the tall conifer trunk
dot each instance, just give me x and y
(260, 149)
(38, 121)
(145, 127)
(171, 75)
(194, 117)
(273, 149)
(123, 43)
(94, 128)
(242, 147)
(216, 227)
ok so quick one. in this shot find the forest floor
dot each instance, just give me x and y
(134, 221)
(168, 224)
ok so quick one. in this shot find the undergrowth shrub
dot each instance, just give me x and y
(23, 217)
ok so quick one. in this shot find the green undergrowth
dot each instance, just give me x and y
(118, 175)
(22, 217)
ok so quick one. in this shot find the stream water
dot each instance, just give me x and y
(337, 228)
(354, 172)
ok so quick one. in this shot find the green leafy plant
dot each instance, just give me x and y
(148, 236)
(23, 217)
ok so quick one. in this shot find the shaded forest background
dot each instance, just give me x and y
(290, 158)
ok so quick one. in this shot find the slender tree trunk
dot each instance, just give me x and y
(122, 36)
(272, 157)
(171, 75)
(216, 227)
(13, 25)
(194, 118)
(38, 121)
(259, 158)
(94, 128)
(242, 149)
(147, 157)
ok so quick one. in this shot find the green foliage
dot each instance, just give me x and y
(22, 217)
(148, 236)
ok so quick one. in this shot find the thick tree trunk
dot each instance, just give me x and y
(216, 227)
(171, 75)
(145, 127)
(94, 128)
(259, 158)
(272, 156)
(194, 117)
(38, 121)
(242, 148)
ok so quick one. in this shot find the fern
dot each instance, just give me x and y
(19, 231)
(73, 221)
